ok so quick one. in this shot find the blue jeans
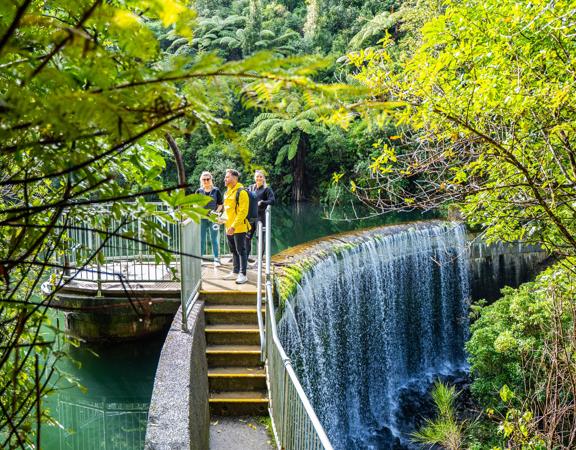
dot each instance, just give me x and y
(208, 227)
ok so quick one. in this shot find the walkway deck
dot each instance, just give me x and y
(112, 279)
(212, 279)
(239, 433)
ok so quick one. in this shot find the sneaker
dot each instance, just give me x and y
(241, 279)
(217, 263)
(230, 276)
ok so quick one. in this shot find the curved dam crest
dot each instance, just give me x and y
(366, 313)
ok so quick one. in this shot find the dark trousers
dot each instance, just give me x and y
(237, 243)
(254, 232)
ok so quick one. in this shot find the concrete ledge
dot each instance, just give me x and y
(179, 416)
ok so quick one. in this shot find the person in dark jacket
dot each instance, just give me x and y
(264, 197)
(215, 205)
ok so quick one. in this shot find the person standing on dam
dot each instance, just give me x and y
(215, 206)
(236, 204)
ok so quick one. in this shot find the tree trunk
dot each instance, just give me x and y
(299, 182)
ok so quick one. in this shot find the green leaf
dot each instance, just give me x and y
(506, 394)
(293, 146)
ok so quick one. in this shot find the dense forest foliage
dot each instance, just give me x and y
(395, 104)
(299, 151)
(486, 101)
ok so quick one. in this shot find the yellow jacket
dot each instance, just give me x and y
(236, 214)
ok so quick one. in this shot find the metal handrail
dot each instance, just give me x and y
(259, 292)
(294, 421)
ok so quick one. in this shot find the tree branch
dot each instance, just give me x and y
(14, 24)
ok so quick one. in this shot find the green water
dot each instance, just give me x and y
(119, 378)
(293, 225)
(112, 413)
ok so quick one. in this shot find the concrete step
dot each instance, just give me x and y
(231, 314)
(233, 355)
(228, 297)
(239, 403)
(232, 334)
(226, 379)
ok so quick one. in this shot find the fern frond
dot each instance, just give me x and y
(274, 133)
(377, 25)
(267, 34)
(293, 146)
(289, 125)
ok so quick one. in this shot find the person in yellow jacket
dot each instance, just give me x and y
(236, 225)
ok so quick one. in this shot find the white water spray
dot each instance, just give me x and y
(366, 321)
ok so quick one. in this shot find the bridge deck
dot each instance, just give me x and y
(212, 279)
(131, 277)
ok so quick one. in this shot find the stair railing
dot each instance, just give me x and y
(190, 268)
(294, 421)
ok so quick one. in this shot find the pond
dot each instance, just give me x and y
(119, 377)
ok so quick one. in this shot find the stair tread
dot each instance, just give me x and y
(231, 308)
(239, 396)
(228, 327)
(236, 372)
(226, 292)
(232, 348)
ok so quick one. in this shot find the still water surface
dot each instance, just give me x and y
(111, 414)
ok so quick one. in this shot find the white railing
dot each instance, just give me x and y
(119, 253)
(294, 421)
(190, 268)
(125, 257)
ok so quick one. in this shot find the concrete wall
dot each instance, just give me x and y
(179, 416)
(494, 266)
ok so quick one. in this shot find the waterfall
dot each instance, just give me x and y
(366, 321)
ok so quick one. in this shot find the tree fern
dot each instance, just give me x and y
(274, 132)
(376, 26)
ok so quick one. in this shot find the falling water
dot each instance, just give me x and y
(369, 320)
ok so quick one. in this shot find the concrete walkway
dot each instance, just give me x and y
(213, 278)
(238, 433)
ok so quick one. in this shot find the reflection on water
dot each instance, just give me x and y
(112, 412)
(119, 378)
(103, 424)
(296, 224)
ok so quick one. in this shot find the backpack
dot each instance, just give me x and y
(252, 203)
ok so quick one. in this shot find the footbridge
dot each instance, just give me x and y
(222, 355)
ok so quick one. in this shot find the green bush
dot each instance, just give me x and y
(525, 343)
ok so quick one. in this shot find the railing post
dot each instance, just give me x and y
(268, 228)
(183, 291)
(284, 407)
(98, 267)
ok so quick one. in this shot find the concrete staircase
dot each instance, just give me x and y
(236, 377)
